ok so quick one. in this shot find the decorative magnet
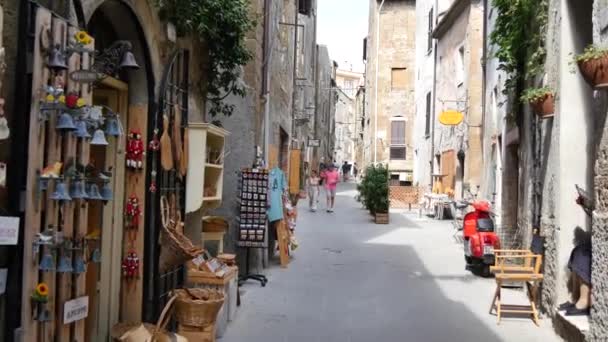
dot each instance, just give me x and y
(154, 144)
(135, 150)
(132, 213)
(153, 187)
(130, 265)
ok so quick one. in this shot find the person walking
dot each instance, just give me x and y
(313, 190)
(355, 171)
(345, 170)
(332, 177)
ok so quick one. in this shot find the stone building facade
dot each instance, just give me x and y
(326, 98)
(345, 128)
(391, 61)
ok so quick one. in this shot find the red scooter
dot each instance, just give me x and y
(480, 240)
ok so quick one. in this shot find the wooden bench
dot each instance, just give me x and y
(516, 266)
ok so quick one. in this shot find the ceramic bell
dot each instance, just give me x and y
(61, 193)
(128, 61)
(79, 266)
(65, 265)
(57, 59)
(99, 138)
(47, 264)
(93, 193)
(113, 127)
(43, 315)
(5, 132)
(96, 255)
(106, 192)
(78, 191)
(65, 122)
(81, 130)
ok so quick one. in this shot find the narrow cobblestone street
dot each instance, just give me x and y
(353, 280)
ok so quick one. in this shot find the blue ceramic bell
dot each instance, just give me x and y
(65, 265)
(113, 127)
(79, 266)
(81, 130)
(77, 191)
(47, 264)
(65, 123)
(61, 193)
(96, 255)
(93, 193)
(106, 192)
(43, 315)
(99, 138)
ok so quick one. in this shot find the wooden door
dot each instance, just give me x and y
(448, 168)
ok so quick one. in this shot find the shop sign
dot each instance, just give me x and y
(314, 143)
(451, 117)
(84, 76)
(9, 230)
(75, 310)
(3, 276)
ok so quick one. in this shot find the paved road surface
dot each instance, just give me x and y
(355, 281)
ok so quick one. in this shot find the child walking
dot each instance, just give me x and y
(313, 190)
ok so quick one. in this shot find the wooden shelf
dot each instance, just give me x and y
(214, 198)
(214, 166)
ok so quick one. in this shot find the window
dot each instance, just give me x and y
(304, 6)
(460, 66)
(427, 127)
(430, 33)
(397, 148)
(399, 78)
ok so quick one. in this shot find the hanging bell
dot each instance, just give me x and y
(112, 127)
(128, 61)
(79, 266)
(93, 193)
(81, 130)
(57, 59)
(61, 193)
(96, 255)
(65, 123)
(43, 315)
(77, 191)
(65, 265)
(47, 264)
(99, 138)
(106, 192)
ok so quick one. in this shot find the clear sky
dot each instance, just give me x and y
(342, 25)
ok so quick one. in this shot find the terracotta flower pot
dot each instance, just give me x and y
(595, 71)
(544, 107)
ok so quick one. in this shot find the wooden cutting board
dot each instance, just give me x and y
(166, 155)
(177, 135)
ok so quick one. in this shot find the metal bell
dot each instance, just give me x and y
(96, 255)
(65, 123)
(47, 264)
(79, 266)
(99, 138)
(57, 59)
(65, 265)
(128, 61)
(77, 191)
(93, 193)
(106, 192)
(112, 127)
(81, 130)
(43, 315)
(61, 193)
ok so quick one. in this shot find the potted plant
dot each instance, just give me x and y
(542, 101)
(374, 192)
(593, 64)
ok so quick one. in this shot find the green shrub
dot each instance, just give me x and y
(373, 189)
(531, 95)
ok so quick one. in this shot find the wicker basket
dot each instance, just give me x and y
(198, 307)
(176, 249)
(150, 332)
(213, 224)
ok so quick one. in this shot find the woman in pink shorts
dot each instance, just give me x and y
(332, 177)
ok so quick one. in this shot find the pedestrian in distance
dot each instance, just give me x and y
(345, 170)
(332, 177)
(312, 184)
(355, 171)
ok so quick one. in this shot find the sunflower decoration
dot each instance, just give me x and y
(61, 99)
(81, 102)
(50, 98)
(82, 37)
(41, 293)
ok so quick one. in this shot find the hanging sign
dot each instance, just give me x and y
(84, 76)
(9, 230)
(451, 117)
(75, 310)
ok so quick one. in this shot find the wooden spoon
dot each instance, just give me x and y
(183, 163)
(166, 157)
(177, 134)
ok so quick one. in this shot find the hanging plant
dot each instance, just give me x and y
(593, 64)
(222, 25)
(542, 100)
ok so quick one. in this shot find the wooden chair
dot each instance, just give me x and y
(516, 266)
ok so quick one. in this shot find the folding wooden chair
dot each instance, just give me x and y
(516, 266)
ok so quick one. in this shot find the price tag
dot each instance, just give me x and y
(75, 310)
(9, 230)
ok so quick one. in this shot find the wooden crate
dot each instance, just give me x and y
(381, 218)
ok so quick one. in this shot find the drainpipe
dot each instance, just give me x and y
(267, 50)
(433, 107)
(376, 84)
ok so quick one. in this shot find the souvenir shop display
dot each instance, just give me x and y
(253, 203)
(135, 151)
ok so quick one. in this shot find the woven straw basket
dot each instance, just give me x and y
(198, 307)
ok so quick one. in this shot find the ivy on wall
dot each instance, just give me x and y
(519, 35)
(222, 25)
